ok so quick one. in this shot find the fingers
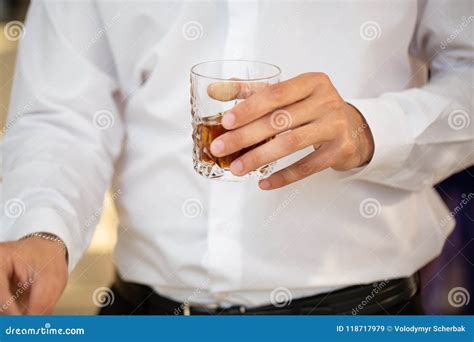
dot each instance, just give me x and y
(227, 91)
(8, 305)
(270, 99)
(33, 274)
(279, 147)
(20, 283)
(269, 125)
(312, 163)
(49, 283)
(44, 295)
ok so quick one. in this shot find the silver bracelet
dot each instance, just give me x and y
(50, 237)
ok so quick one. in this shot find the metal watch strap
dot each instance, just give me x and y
(49, 237)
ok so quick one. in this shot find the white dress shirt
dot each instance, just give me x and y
(101, 98)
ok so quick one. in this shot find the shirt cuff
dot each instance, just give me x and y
(47, 220)
(392, 141)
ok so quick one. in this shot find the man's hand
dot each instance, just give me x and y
(303, 111)
(33, 275)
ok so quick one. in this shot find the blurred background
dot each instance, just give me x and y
(440, 279)
(96, 268)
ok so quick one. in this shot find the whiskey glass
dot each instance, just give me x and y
(216, 87)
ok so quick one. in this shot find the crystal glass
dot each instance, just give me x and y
(232, 80)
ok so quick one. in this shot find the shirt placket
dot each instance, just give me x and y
(224, 226)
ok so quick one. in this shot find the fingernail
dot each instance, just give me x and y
(228, 120)
(264, 184)
(236, 167)
(217, 147)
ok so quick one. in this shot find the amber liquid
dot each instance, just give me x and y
(209, 129)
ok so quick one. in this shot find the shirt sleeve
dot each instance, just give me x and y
(423, 135)
(64, 129)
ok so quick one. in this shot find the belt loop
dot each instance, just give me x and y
(186, 310)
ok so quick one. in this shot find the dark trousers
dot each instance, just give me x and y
(150, 305)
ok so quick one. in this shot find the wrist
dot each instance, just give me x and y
(52, 238)
(363, 134)
(367, 142)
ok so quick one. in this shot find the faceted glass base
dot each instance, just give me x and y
(213, 171)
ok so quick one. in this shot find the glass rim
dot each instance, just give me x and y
(278, 70)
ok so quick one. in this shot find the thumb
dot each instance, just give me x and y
(234, 89)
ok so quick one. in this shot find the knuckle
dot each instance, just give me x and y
(292, 175)
(236, 138)
(348, 148)
(305, 169)
(340, 125)
(269, 124)
(285, 178)
(320, 76)
(291, 141)
(241, 109)
(276, 93)
(334, 104)
(313, 76)
(254, 159)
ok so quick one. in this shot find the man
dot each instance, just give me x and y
(101, 97)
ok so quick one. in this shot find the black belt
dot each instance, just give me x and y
(359, 299)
